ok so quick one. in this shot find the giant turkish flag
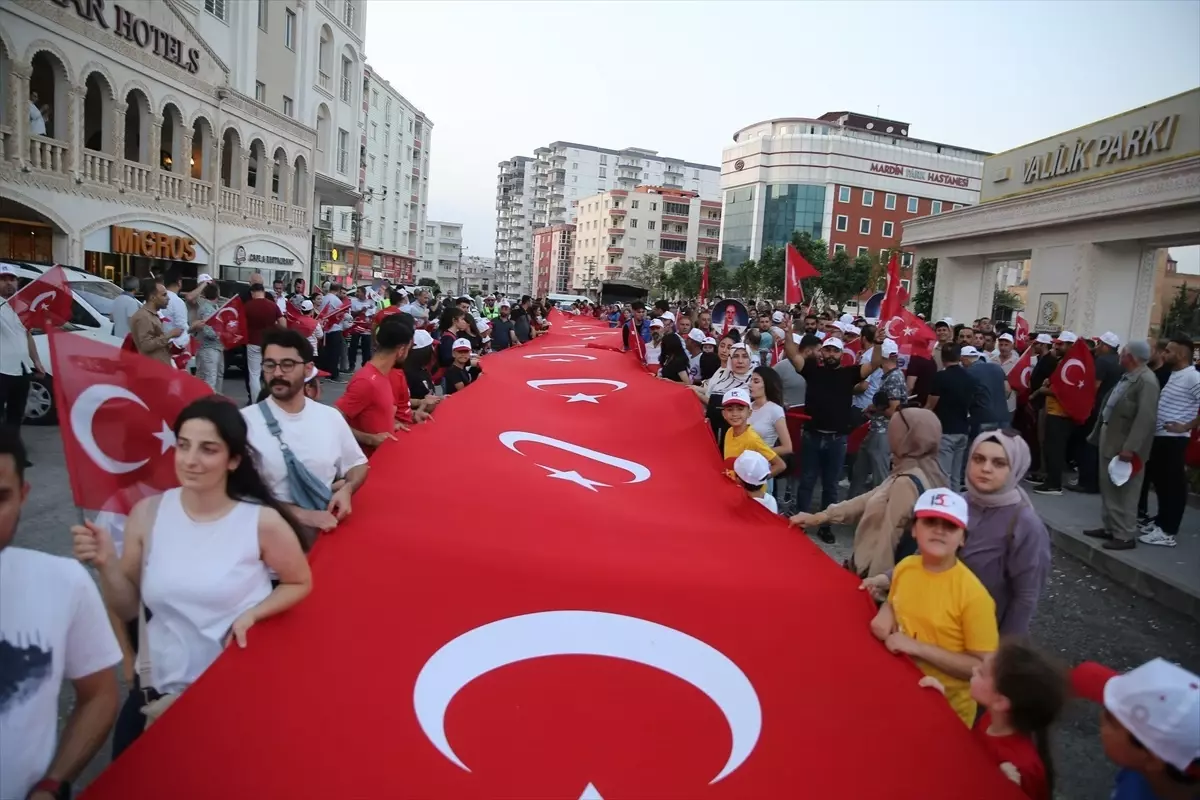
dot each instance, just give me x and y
(570, 629)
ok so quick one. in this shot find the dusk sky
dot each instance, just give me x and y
(501, 78)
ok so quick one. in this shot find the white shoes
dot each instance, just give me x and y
(1152, 534)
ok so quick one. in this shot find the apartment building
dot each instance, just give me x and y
(393, 140)
(442, 252)
(565, 172)
(514, 226)
(616, 228)
(554, 246)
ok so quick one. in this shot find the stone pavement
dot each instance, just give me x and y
(1169, 575)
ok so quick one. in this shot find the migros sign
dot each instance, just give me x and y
(151, 244)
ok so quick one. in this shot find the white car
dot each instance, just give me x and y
(91, 303)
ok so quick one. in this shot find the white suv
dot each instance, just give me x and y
(91, 304)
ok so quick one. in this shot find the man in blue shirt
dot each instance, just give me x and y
(124, 306)
(639, 322)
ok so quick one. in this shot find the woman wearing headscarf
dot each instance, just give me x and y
(885, 513)
(1007, 545)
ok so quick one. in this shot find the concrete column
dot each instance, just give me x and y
(962, 291)
(154, 154)
(18, 112)
(75, 129)
(1143, 296)
(118, 139)
(244, 187)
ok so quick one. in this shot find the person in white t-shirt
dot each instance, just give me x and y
(317, 435)
(52, 626)
(654, 346)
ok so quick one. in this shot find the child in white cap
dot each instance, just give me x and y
(753, 471)
(741, 437)
(937, 611)
(1150, 727)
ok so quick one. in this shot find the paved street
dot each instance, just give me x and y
(1083, 614)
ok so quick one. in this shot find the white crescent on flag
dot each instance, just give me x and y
(44, 297)
(560, 357)
(1074, 362)
(83, 413)
(590, 633)
(638, 472)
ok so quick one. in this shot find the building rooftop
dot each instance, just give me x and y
(637, 151)
(865, 123)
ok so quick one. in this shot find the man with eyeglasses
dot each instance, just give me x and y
(316, 434)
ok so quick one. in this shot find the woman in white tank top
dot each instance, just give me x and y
(198, 556)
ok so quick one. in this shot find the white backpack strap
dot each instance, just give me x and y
(142, 664)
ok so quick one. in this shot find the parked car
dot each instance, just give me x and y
(91, 303)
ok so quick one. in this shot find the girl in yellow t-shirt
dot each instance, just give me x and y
(937, 611)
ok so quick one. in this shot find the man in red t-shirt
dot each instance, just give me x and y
(261, 314)
(369, 404)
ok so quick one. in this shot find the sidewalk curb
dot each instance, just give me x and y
(1146, 582)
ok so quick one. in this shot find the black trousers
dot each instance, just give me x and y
(1166, 471)
(360, 340)
(332, 353)
(14, 392)
(1087, 459)
(1058, 437)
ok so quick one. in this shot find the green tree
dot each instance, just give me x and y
(744, 281)
(1184, 314)
(432, 284)
(649, 271)
(683, 279)
(844, 279)
(922, 299)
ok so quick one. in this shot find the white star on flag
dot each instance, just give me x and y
(573, 477)
(582, 398)
(166, 436)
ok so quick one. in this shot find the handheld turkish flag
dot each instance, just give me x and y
(1018, 376)
(229, 321)
(910, 332)
(116, 411)
(298, 320)
(1021, 340)
(892, 300)
(328, 317)
(704, 284)
(44, 301)
(797, 270)
(1074, 382)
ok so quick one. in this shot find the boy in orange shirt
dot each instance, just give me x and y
(937, 611)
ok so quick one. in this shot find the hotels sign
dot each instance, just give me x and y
(913, 174)
(133, 28)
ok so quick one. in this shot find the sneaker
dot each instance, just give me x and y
(1157, 536)
(1047, 490)
(1148, 525)
(825, 534)
(1034, 478)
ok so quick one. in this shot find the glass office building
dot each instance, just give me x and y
(784, 208)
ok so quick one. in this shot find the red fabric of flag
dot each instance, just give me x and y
(892, 296)
(298, 320)
(1074, 382)
(797, 269)
(704, 284)
(43, 302)
(1018, 377)
(910, 332)
(229, 321)
(1021, 339)
(615, 644)
(116, 412)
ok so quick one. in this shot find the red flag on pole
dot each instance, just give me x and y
(46, 298)
(1022, 337)
(797, 269)
(116, 412)
(1018, 376)
(1074, 382)
(911, 333)
(892, 300)
(229, 321)
(298, 320)
(329, 317)
(704, 284)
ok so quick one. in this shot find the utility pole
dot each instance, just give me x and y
(356, 229)
(460, 279)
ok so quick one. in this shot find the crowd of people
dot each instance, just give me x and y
(933, 447)
(945, 537)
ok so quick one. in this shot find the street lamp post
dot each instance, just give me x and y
(460, 278)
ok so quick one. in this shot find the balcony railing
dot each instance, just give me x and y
(49, 155)
(676, 218)
(98, 167)
(617, 212)
(347, 84)
(325, 81)
(616, 231)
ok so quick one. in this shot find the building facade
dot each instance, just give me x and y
(616, 228)
(1090, 208)
(514, 225)
(145, 152)
(388, 223)
(847, 178)
(442, 253)
(554, 248)
(565, 172)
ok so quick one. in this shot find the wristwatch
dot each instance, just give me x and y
(60, 789)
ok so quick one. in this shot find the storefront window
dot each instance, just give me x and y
(792, 207)
(26, 241)
(739, 226)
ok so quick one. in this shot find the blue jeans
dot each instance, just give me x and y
(823, 455)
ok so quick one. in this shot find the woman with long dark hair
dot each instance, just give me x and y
(452, 325)
(766, 410)
(198, 559)
(673, 361)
